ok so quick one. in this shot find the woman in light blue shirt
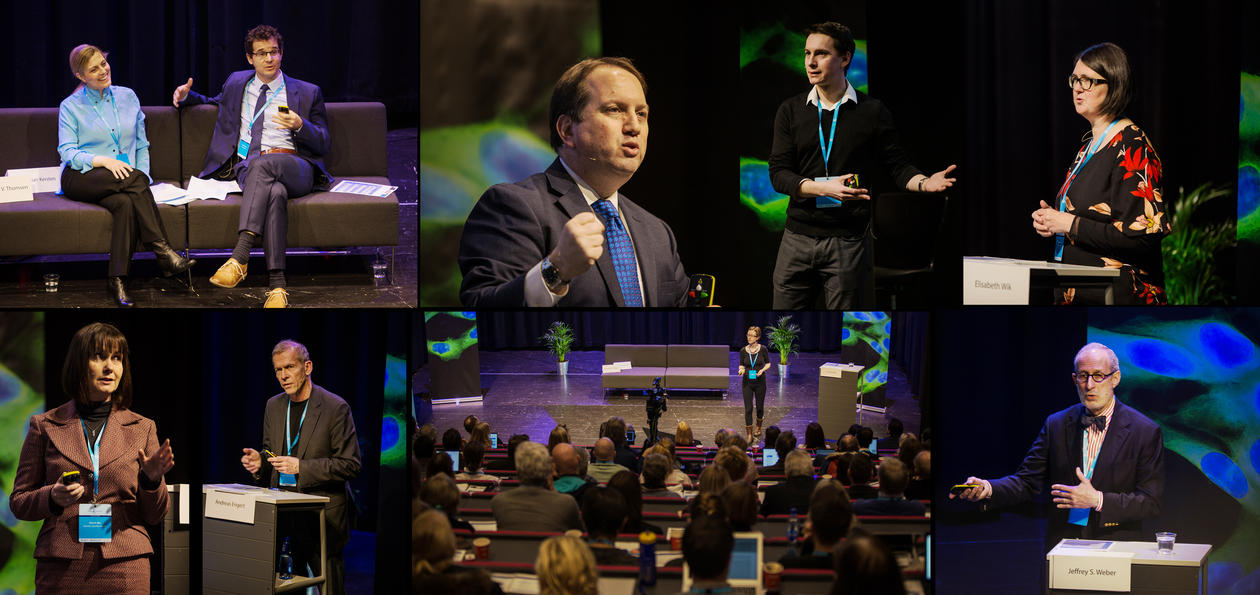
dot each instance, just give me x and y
(105, 161)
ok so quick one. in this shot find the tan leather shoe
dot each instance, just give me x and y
(277, 298)
(229, 274)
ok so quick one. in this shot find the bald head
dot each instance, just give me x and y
(604, 450)
(1097, 350)
(565, 459)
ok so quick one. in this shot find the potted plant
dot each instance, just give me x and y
(1196, 269)
(559, 340)
(783, 336)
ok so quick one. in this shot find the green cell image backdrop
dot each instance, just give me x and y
(21, 396)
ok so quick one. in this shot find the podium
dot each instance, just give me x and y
(837, 395)
(1007, 281)
(1184, 571)
(241, 539)
(172, 568)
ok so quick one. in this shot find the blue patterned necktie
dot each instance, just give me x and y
(255, 133)
(622, 251)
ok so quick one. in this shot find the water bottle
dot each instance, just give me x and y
(793, 530)
(647, 559)
(286, 561)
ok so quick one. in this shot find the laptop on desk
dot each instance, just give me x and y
(744, 573)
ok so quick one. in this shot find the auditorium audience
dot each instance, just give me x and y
(566, 472)
(836, 465)
(509, 463)
(740, 500)
(920, 487)
(604, 512)
(908, 449)
(706, 544)
(452, 440)
(474, 454)
(604, 468)
(719, 438)
(795, 492)
(559, 434)
(829, 520)
(864, 437)
(895, 428)
(565, 566)
(480, 433)
(814, 437)
(534, 506)
(440, 463)
(432, 555)
(738, 441)
(861, 472)
(735, 463)
(422, 451)
(847, 443)
(655, 468)
(865, 566)
(706, 503)
(676, 480)
(627, 484)
(584, 462)
(625, 456)
(441, 493)
(784, 444)
(713, 480)
(683, 435)
(470, 422)
(771, 436)
(893, 478)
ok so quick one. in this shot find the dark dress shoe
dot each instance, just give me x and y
(170, 261)
(117, 287)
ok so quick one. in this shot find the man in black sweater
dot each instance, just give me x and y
(821, 140)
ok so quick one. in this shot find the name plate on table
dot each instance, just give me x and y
(994, 282)
(1090, 570)
(16, 189)
(44, 179)
(230, 506)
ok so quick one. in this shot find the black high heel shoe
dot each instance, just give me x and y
(170, 261)
(117, 288)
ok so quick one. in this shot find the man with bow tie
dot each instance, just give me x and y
(1105, 461)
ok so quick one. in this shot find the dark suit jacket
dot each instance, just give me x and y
(513, 226)
(884, 506)
(305, 99)
(1129, 473)
(55, 444)
(328, 449)
(793, 493)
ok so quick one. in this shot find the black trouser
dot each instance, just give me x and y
(837, 268)
(128, 200)
(755, 388)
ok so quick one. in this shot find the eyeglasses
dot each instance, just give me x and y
(1097, 377)
(263, 54)
(1086, 82)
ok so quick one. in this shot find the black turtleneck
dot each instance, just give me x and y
(94, 416)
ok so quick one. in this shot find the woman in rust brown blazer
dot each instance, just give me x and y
(97, 373)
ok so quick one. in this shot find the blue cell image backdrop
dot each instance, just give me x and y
(21, 396)
(865, 338)
(1196, 372)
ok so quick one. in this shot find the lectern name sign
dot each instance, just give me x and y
(230, 506)
(1090, 570)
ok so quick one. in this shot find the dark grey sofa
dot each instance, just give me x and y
(178, 141)
(678, 366)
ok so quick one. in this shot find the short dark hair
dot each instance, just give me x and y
(740, 500)
(441, 463)
(1111, 63)
(830, 512)
(785, 443)
(423, 446)
(470, 422)
(440, 491)
(96, 338)
(474, 451)
(893, 477)
(867, 566)
(655, 469)
(772, 435)
(452, 439)
(513, 442)
(861, 469)
(569, 95)
(263, 33)
(603, 511)
(841, 37)
(895, 427)
(616, 429)
(814, 437)
(627, 483)
(706, 544)
(864, 436)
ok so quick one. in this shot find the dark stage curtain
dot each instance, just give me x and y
(355, 51)
(911, 348)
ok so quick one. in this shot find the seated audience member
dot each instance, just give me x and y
(683, 435)
(422, 452)
(908, 449)
(893, 478)
(655, 469)
(440, 493)
(470, 423)
(925, 438)
(713, 480)
(432, 552)
(625, 455)
(814, 437)
(604, 512)
(836, 465)
(795, 492)
(441, 463)
(895, 428)
(534, 506)
(481, 433)
(474, 453)
(784, 444)
(735, 462)
(864, 437)
(452, 441)
(706, 504)
(865, 565)
(509, 463)
(771, 436)
(603, 468)
(558, 435)
(566, 465)
(740, 500)
(861, 472)
(675, 480)
(920, 487)
(847, 443)
(706, 544)
(584, 462)
(719, 438)
(565, 566)
(627, 484)
(830, 517)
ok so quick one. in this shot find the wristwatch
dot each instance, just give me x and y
(551, 276)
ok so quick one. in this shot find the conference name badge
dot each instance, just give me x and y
(288, 480)
(95, 523)
(242, 148)
(827, 202)
(752, 374)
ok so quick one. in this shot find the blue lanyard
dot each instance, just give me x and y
(259, 112)
(1094, 146)
(752, 358)
(116, 132)
(94, 452)
(287, 419)
(825, 145)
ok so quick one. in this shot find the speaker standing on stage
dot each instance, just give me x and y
(754, 362)
(1110, 210)
(821, 139)
(94, 537)
(105, 161)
